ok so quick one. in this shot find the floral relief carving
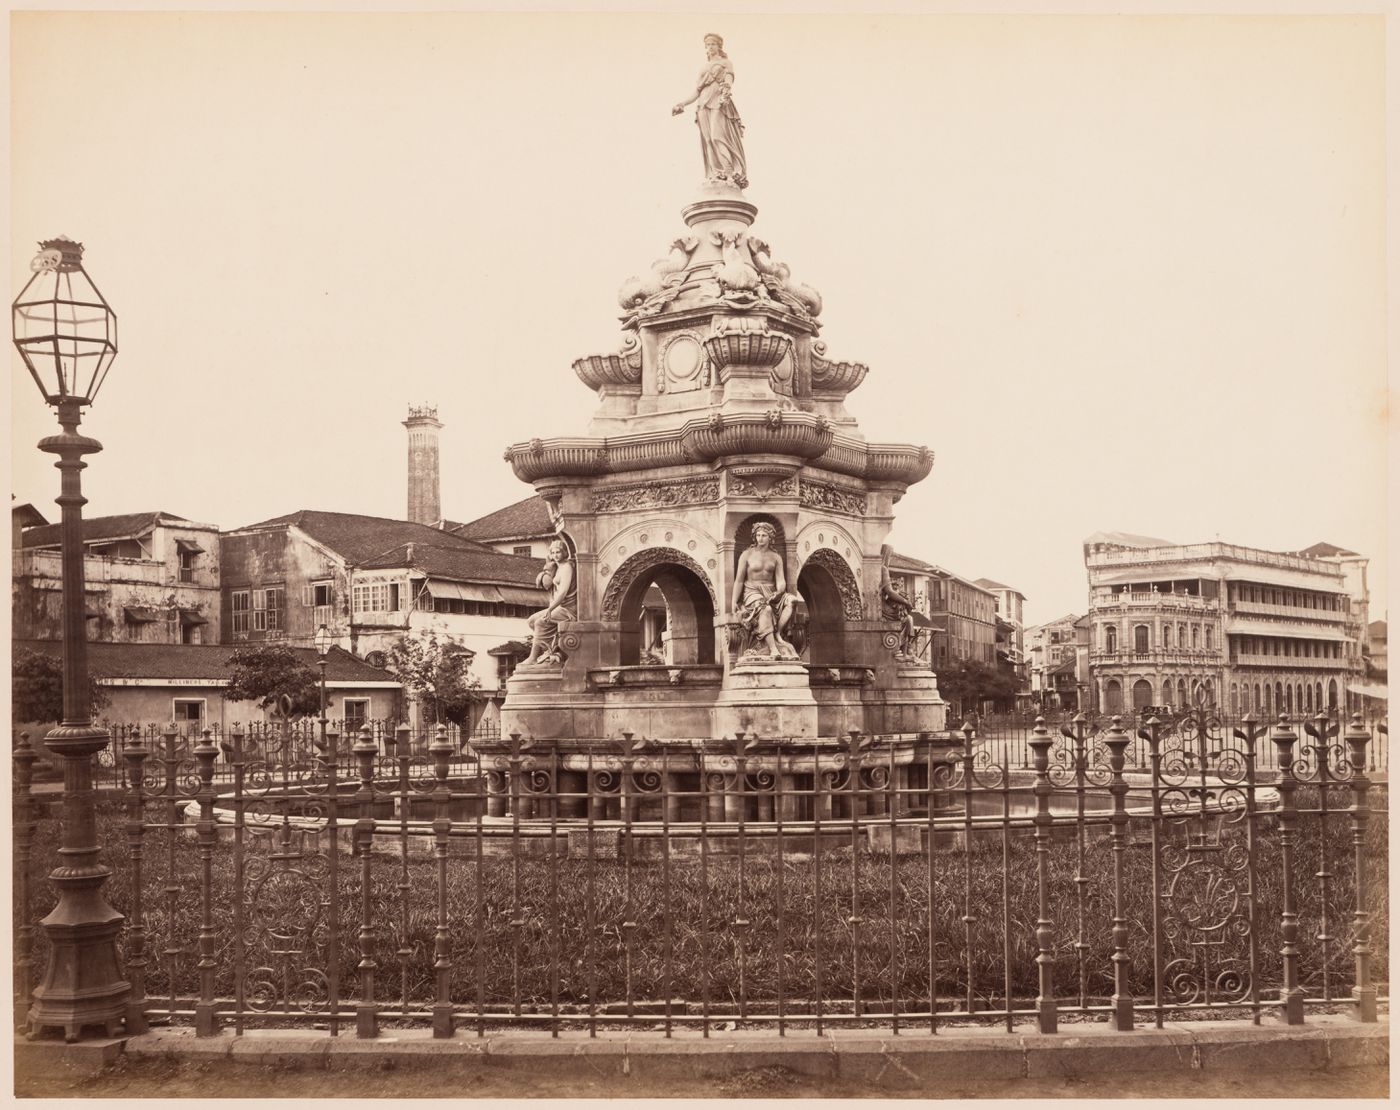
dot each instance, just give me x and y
(656, 495)
(821, 495)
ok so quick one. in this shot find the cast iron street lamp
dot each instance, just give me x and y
(67, 336)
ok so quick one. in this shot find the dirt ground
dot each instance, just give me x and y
(167, 1078)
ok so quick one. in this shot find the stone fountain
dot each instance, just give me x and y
(720, 523)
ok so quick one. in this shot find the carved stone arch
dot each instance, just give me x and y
(637, 565)
(845, 580)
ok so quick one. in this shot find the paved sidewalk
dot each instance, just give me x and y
(1327, 1057)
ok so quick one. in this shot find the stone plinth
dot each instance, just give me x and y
(770, 700)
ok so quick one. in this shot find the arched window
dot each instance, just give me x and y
(1166, 637)
(1195, 637)
(1181, 693)
(1210, 645)
(1142, 641)
(1110, 638)
(1332, 694)
(1234, 698)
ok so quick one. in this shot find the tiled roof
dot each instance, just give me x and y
(194, 661)
(989, 584)
(359, 539)
(105, 528)
(528, 518)
(467, 563)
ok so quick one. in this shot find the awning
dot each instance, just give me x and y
(463, 591)
(190, 546)
(191, 616)
(511, 647)
(519, 595)
(1369, 690)
(141, 614)
(921, 621)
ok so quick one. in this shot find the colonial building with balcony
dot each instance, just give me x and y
(1262, 631)
(149, 578)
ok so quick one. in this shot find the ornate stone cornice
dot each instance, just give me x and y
(799, 436)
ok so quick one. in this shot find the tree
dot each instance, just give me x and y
(37, 688)
(266, 672)
(968, 683)
(437, 674)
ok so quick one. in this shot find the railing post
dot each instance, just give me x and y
(135, 754)
(442, 751)
(1046, 1011)
(205, 1019)
(24, 757)
(1117, 740)
(366, 1011)
(1291, 994)
(1364, 992)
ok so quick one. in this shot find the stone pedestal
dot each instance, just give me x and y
(537, 706)
(771, 700)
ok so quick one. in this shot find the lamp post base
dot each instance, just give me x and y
(83, 984)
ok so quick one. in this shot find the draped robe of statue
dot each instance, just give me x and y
(721, 130)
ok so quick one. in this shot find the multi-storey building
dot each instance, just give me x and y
(148, 578)
(1053, 663)
(371, 580)
(962, 614)
(1008, 603)
(1258, 631)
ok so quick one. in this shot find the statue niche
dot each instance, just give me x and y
(769, 621)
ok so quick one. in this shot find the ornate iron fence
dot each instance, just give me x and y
(390, 879)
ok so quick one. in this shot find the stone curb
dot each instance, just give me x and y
(882, 1060)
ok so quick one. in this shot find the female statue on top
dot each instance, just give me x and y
(721, 129)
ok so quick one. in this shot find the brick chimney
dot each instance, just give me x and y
(424, 501)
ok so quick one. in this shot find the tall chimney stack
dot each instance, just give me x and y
(424, 502)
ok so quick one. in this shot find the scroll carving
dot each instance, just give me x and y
(656, 495)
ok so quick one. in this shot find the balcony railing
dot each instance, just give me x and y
(1290, 662)
(1195, 658)
(1186, 603)
(1206, 551)
(1334, 616)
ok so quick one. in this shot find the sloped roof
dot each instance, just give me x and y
(1128, 539)
(1377, 628)
(101, 528)
(196, 661)
(26, 516)
(990, 584)
(528, 518)
(1324, 551)
(474, 563)
(359, 539)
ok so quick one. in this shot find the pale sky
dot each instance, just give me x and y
(1119, 273)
